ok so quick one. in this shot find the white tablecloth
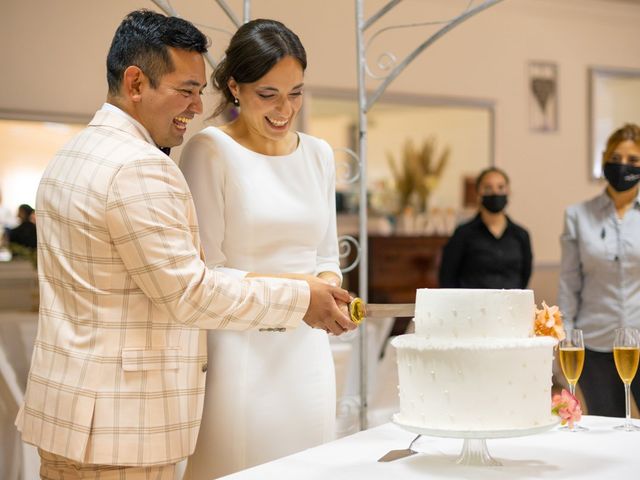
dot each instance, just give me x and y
(600, 453)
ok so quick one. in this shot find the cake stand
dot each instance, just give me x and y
(474, 449)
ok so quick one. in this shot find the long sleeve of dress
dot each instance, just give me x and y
(328, 250)
(571, 278)
(205, 175)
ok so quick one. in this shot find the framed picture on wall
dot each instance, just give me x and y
(614, 99)
(542, 83)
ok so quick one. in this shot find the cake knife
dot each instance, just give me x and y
(358, 310)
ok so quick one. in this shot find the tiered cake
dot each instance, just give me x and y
(472, 364)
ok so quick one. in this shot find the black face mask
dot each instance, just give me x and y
(494, 203)
(621, 177)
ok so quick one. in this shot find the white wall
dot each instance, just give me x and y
(464, 131)
(23, 159)
(53, 57)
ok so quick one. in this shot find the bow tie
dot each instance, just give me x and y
(165, 150)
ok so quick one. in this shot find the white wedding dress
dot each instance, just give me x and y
(268, 394)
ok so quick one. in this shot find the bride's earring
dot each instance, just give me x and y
(236, 102)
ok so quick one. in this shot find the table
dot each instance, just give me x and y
(600, 453)
(18, 286)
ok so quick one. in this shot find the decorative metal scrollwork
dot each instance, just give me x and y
(347, 170)
(387, 61)
(345, 245)
(347, 415)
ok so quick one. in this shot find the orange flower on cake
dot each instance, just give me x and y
(548, 322)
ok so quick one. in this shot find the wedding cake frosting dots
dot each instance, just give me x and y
(472, 365)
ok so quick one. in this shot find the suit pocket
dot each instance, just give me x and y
(141, 359)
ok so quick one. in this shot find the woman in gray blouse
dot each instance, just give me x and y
(600, 271)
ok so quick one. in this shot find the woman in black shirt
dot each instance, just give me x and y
(489, 251)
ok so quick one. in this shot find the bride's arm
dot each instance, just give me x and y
(203, 167)
(327, 258)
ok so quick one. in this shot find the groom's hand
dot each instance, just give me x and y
(327, 308)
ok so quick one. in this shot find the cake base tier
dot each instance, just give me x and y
(503, 433)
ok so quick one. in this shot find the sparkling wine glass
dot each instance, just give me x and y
(626, 352)
(572, 361)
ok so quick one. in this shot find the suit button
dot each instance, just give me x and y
(204, 367)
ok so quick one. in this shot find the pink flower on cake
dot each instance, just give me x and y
(548, 322)
(567, 407)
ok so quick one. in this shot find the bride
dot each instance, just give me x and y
(265, 199)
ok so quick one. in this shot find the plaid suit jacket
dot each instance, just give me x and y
(118, 368)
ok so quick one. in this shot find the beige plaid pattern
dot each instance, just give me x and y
(55, 467)
(117, 374)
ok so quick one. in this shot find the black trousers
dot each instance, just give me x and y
(601, 385)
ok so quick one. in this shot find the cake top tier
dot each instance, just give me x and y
(457, 313)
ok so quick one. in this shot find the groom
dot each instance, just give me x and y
(117, 378)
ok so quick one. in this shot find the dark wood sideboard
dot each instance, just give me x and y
(398, 266)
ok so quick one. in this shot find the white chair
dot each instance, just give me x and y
(18, 460)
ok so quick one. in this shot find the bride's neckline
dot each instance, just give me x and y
(298, 146)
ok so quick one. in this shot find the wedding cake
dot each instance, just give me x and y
(473, 363)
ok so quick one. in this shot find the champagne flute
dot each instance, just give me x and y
(572, 361)
(626, 352)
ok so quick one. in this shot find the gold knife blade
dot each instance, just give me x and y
(358, 310)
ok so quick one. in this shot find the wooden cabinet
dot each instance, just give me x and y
(398, 265)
